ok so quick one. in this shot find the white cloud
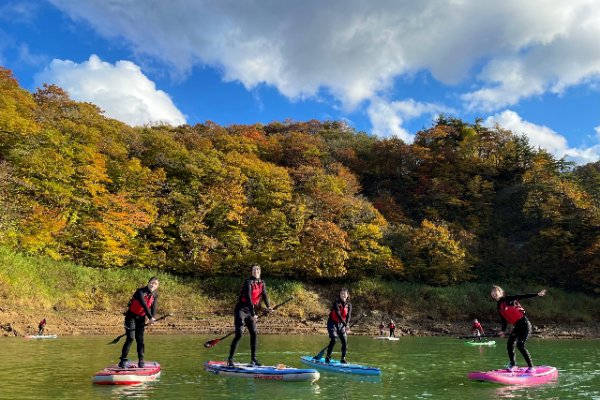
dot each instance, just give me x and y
(355, 49)
(121, 90)
(544, 137)
(388, 118)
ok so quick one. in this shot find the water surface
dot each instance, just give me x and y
(412, 368)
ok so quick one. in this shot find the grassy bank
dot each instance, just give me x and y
(30, 283)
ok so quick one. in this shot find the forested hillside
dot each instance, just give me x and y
(309, 200)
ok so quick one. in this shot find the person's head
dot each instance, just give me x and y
(496, 292)
(153, 284)
(391, 321)
(256, 271)
(475, 321)
(344, 294)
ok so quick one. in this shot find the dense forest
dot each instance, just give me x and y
(312, 200)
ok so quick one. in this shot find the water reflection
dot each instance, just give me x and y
(140, 391)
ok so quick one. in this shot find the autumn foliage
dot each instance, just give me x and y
(311, 200)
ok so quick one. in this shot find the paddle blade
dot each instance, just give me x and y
(115, 340)
(320, 354)
(211, 343)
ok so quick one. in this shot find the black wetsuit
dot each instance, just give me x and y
(392, 329)
(252, 291)
(135, 324)
(521, 327)
(337, 326)
(41, 327)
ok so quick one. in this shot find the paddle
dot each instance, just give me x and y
(116, 340)
(213, 342)
(475, 336)
(320, 354)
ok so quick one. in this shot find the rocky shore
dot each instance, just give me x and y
(66, 323)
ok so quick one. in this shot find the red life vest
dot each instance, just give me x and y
(477, 326)
(511, 313)
(136, 307)
(343, 310)
(391, 326)
(256, 289)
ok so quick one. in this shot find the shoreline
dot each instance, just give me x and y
(75, 323)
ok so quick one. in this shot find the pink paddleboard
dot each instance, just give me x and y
(132, 375)
(540, 375)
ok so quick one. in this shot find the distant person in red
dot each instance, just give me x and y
(477, 329)
(381, 328)
(513, 313)
(41, 327)
(141, 306)
(392, 328)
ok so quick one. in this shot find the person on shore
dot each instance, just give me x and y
(381, 328)
(477, 329)
(41, 327)
(392, 328)
(513, 313)
(141, 306)
(253, 290)
(338, 324)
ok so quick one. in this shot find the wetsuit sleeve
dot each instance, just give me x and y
(139, 296)
(153, 309)
(349, 314)
(520, 296)
(264, 295)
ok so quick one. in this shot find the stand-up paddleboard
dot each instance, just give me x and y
(386, 338)
(540, 375)
(271, 372)
(40, 337)
(131, 375)
(482, 343)
(336, 366)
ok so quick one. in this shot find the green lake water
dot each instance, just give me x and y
(412, 368)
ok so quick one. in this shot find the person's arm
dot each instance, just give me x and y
(154, 303)
(520, 297)
(349, 315)
(139, 296)
(265, 297)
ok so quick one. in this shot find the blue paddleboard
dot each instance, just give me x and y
(336, 366)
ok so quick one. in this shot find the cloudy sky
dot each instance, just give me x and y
(386, 67)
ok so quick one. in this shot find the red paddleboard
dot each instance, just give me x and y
(539, 375)
(132, 375)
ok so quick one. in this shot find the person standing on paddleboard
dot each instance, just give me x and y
(41, 327)
(142, 305)
(392, 328)
(253, 290)
(338, 324)
(477, 329)
(513, 313)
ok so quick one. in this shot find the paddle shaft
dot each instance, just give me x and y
(116, 340)
(320, 354)
(213, 342)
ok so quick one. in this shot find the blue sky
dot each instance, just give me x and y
(386, 67)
